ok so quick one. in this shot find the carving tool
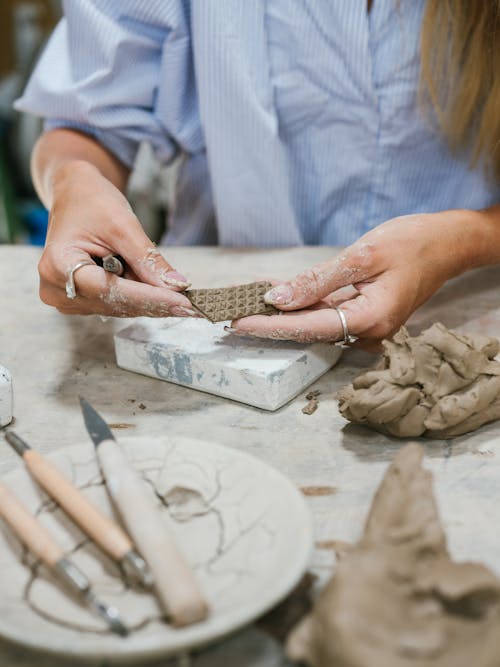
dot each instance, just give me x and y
(111, 263)
(174, 580)
(36, 538)
(105, 532)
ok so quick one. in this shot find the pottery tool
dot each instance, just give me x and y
(5, 397)
(230, 303)
(111, 263)
(174, 580)
(258, 518)
(105, 532)
(37, 539)
(200, 355)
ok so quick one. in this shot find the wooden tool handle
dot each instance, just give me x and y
(27, 528)
(102, 530)
(175, 582)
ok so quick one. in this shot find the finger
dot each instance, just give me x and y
(144, 258)
(106, 294)
(340, 296)
(128, 298)
(370, 315)
(75, 310)
(335, 298)
(304, 326)
(352, 266)
(373, 314)
(58, 260)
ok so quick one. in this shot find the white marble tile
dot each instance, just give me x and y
(201, 355)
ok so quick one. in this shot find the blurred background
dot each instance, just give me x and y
(25, 26)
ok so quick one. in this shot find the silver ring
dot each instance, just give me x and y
(70, 283)
(348, 339)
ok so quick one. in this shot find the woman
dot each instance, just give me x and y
(345, 122)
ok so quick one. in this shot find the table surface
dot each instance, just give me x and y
(55, 358)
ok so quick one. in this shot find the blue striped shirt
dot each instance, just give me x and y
(298, 120)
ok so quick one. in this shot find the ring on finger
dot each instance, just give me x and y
(348, 338)
(70, 283)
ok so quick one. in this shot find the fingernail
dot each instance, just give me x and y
(175, 279)
(280, 295)
(182, 311)
(231, 330)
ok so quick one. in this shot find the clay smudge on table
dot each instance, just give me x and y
(397, 599)
(312, 405)
(439, 384)
(318, 490)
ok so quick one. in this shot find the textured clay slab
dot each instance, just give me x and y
(230, 303)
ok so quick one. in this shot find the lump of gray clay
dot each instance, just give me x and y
(439, 384)
(397, 599)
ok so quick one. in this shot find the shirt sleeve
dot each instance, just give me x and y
(121, 71)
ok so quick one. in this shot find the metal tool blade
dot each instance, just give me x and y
(17, 443)
(78, 582)
(99, 431)
(95, 424)
(108, 613)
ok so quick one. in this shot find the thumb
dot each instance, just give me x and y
(147, 262)
(317, 282)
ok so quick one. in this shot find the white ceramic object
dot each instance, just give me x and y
(201, 355)
(5, 397)
(243, 527)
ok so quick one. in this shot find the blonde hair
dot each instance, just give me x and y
(460, 79)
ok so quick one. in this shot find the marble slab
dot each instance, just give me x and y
(201, 355)
(243, 527)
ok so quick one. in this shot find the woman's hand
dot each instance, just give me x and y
(90, 217)
(378, 281)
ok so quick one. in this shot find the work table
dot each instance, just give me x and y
(55, 358)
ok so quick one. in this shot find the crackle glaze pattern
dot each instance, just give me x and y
(243, 527)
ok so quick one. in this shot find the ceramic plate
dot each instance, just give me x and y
(242, 525)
